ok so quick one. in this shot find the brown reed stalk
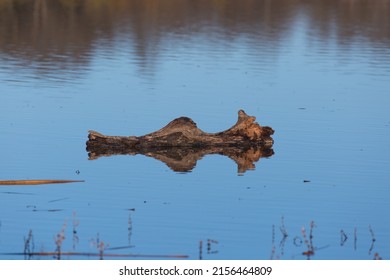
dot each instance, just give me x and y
(36, 182)
(59, 239)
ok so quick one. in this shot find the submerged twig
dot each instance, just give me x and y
(29, 244)
(308, 242)
(273, 248)
(343, 238)
(59, 239)
(201, 249)
(85, 254)
(372, 239)
(209, 242)
(75, 225)
(285, 235)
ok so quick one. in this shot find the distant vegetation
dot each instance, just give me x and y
(64, 33)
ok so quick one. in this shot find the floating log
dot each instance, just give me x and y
(89, 254)
(181, 143)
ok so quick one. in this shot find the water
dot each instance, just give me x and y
(317, 72)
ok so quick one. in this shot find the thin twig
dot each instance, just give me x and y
(36, 182)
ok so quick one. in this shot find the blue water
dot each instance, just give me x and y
(325, 93)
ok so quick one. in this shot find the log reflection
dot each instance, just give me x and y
(185, 159)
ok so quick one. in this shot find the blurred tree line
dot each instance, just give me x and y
(71, 29)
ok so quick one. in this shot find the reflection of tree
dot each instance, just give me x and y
(47, 35)
(370, 19)
(39, 36)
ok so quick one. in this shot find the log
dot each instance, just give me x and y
(181, 143)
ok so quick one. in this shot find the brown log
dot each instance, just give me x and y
(181, 143)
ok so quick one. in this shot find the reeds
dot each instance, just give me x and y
(306, 239)
(28, 244)
(210, 248)
(100, 245)
(59, 239)
(97, 243)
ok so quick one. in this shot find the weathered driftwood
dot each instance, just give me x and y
(181, 143)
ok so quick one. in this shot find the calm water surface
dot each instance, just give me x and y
(318, 72)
